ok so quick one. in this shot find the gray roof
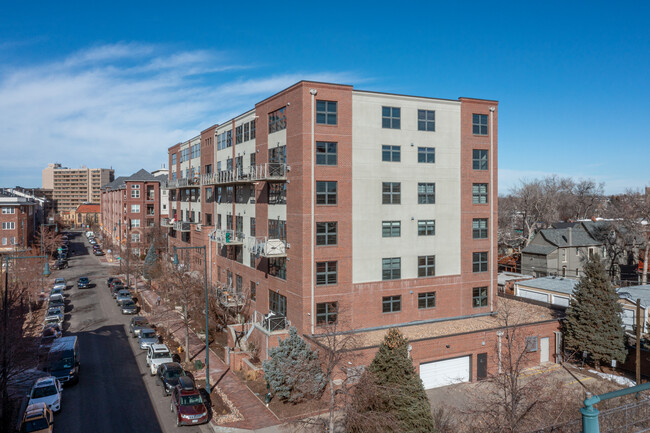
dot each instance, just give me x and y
(504, 277)
(116, 184)
(560, 237)
(142, 176)
(636, 292)
(551, 284)
(538, 249)
(564, 225)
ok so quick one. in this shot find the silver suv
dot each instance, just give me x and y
(157, 354)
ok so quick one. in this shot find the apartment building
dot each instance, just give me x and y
(325, 204)
(75, 186)
(130, 210)
(18, 221)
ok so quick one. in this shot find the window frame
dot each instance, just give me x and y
(480, 196)
(478, 126)
(327, 313)
(480, 159)
(391, 117)
(388, 229)
(478, 230)
(426, 266)
(425, 153)
(391, 304)
(325, 236)
(479, 297)
(425, 196)
(423, 229)
(279, 301)
(391, 268)
(324, 153)
(324, 112)
(327, 271)
(391, 197)
(423, 123)
(480, 262)
(391, 153)
(324, 197)
(425, 299)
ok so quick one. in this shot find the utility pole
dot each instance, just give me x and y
(638, 341)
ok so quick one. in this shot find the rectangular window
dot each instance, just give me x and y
(326, 313)
(426, 266)
(278, 155)
(531, 344)
(239, 134)
(135, 237)
(390, 117)
(8, 210)
(390, 193)
(135, 223)
(135, 208)
(173, 159)
(426, 193)
(480, 262)
(391, 304)
(278, 120)
(326, 112)
(135, 193)
(253, 293)
(251, 260)
(426, 120)
(390, 153)
(391, 229)
(278, 229)
(480, 193)
(479, 297)
(277, 303)
(480, 124)
(426, 300)
(326, 153)
(247, 131)
(278, 267)
(426, 227)
(426, 155)
(479, 159)
(325, 273)
(480, 228)
(253, 226)
(326, 233)
(391, 268)
(252, 129)
(277, 193)
(9, 225)
(325, 193)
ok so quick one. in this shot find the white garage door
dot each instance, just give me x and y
(533, 295)
(560, 300)
(445, 372)
(628, 319)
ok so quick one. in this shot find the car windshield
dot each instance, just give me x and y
(44, 391)
(59, 280)
(60, 364)
(147, 334)
(162, 354)
(128, 303)
(51, 320)
(83, 280)
(54, 311)
(35, 425)
(174, 373)
(191, 400)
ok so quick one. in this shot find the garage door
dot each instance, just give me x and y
(445, 372)
(533, 295)
(560, 300)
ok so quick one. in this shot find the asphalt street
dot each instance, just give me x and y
(115, 393)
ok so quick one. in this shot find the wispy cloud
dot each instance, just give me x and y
(122, 105)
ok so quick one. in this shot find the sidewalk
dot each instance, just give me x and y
(252, 414)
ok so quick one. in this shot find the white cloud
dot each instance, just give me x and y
(121, 105)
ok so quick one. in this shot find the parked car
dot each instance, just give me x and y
(188, 404)
(47, 390)
(55, 311)
(90, 234)
(147, 337)
(168, 375)
(157, 354)
(110, 280)
(60, 283)
(38, 418)
(116, 289)
(83, 283)
(54, 319)
(56, 291)
(137, 324)
(56, 300)
(61, 264)
(129, 307)
(92, 241)
(122, 295)
(50, 333)
(98, 252)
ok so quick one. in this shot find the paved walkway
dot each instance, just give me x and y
(254, 414)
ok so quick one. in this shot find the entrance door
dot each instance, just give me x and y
(543, 353)
(481, 366)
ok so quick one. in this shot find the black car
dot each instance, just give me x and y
(61, 264)
(138, 323)
(128, 307)
(83, 283)
(168, 376)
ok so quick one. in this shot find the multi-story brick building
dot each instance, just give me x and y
(130, 209)
(18, 221)
(74, 186)
(328, 204)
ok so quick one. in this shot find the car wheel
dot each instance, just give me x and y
(171, 406)
(178, 422)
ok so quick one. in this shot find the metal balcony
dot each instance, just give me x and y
(229, 298)
(271, 172)
(229, 237)
(271, 322)
(166, 222)
(269, 248)
(184, 183)
(182, 226)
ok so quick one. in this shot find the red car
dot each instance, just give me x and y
(188, 403)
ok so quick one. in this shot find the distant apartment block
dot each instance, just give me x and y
(18, 221)
(75, 186)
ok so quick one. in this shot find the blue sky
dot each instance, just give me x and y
(116, 84)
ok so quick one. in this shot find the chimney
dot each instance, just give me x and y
(570, 236)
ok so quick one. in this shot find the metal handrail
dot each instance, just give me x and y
(266, 171)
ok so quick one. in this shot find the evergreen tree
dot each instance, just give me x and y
(593, 320)
(293, 370)
(393, 369)
(150, 262)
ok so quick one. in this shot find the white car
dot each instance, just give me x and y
(56, 291)
(90, 234)
(47, 390)
(157, 354)
(53, 319)
(55, 311)
(60, 283)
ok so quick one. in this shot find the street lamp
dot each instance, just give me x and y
(205, 275)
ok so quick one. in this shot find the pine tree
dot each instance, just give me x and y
(593, 320)
(393, 369)
(150, 263)
(293, 370)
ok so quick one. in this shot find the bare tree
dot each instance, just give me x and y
(633, 209)
(50, 238)
(365, 394)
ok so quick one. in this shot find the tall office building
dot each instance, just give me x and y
(72, 187)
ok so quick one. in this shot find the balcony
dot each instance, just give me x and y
(184, 183)
(271, 172)
(229, 237)
(271, 322)
(269, 248)
(182, 226)
(228, 297)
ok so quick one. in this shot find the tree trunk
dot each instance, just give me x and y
(187, 335)
(332, 405)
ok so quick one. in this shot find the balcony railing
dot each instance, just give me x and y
(166, 222)
(229, 237)
(265, 247)
(228, 297)
(270, 322)
(184, 183)
(182, 226)
(272, 172)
